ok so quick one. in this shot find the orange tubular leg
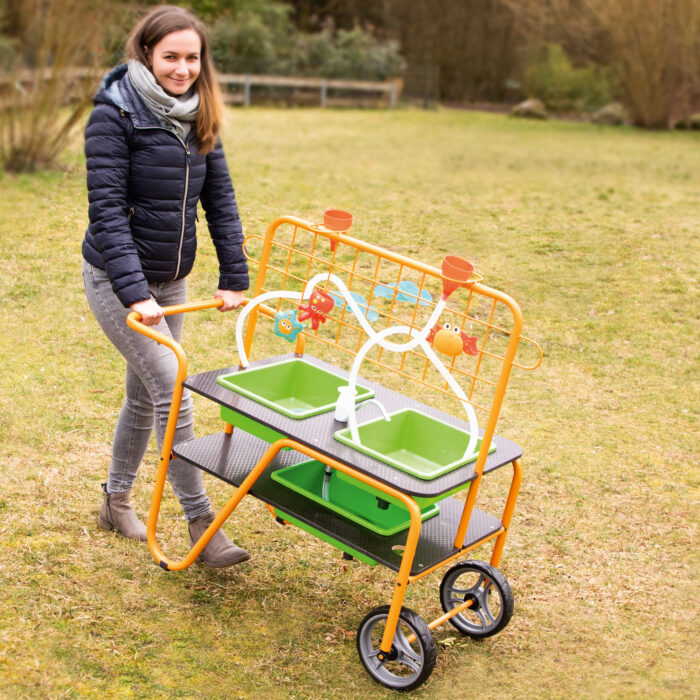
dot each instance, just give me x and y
(133, 320)
(402, 579)
(223, 514)
(508, 512)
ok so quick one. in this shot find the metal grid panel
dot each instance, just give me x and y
(298, 251)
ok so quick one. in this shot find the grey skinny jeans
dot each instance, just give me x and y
(150, 376)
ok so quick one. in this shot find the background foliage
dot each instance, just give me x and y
(269, 43)
(651, 45)
(563, 87)
(39, 54)
(572, 54)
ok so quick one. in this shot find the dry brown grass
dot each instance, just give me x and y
(594, 231)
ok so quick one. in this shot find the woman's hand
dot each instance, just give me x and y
(150, 311)
(231, 299)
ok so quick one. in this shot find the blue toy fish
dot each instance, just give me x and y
(407, 291)
(371, 314)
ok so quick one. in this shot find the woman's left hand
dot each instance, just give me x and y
(231, 299)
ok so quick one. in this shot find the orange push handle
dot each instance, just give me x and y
(133, 320)
(135, 316)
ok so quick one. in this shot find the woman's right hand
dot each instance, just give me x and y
(150, 311)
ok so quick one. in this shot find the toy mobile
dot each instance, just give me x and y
(363, 466)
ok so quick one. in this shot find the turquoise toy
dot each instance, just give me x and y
(371, 313)
(407, 291)
(287, 326)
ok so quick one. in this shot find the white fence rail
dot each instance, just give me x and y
(328, 91)
(321, 91)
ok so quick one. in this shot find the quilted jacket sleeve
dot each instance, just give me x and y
(219, 202)
(107, 154)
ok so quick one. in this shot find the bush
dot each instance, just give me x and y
(265, 41)
(8, 47)
(357, 54)
(563, 87)
(652, 45)
(243, 46)
(312, 53)
(48, 63)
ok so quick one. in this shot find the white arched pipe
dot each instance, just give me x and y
(243, 358)
(418, 338)
(379, 339)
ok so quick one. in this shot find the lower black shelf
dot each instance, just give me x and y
(232, 457)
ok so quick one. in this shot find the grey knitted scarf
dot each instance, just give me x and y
(176, 112)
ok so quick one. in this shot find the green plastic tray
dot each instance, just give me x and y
(372, 509)
(293, 387)
(326, 538)
(412, 442)
(251, 426)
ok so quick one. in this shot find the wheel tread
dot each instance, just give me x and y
(422, 632)
(499, 581)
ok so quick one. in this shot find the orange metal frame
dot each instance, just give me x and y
(295, 261)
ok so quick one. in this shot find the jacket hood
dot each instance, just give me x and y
(116, 89)
(109, 91)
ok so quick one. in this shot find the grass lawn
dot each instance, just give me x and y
(593, 230)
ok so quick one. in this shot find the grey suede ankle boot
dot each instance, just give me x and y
(220, 551)
(117, 514)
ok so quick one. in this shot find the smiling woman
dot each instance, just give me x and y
(153, 153)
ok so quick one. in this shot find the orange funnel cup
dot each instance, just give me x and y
(337, 219)
(456, 271)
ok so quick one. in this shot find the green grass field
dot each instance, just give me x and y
(593, 230)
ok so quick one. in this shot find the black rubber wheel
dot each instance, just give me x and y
(409, 664)
(489, 591)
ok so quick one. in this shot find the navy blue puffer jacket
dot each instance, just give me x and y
(144, 183)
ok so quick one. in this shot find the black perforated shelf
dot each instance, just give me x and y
(317, 431)
(232, 458)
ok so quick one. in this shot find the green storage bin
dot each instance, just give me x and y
(413, 442)
(368, 507)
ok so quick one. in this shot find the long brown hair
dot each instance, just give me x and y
(164, 20)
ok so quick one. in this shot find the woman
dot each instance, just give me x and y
(153, 152)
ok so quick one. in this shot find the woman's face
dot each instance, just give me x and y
(176, 61)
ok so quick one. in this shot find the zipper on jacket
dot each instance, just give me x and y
(184, 196)
(184, 207)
